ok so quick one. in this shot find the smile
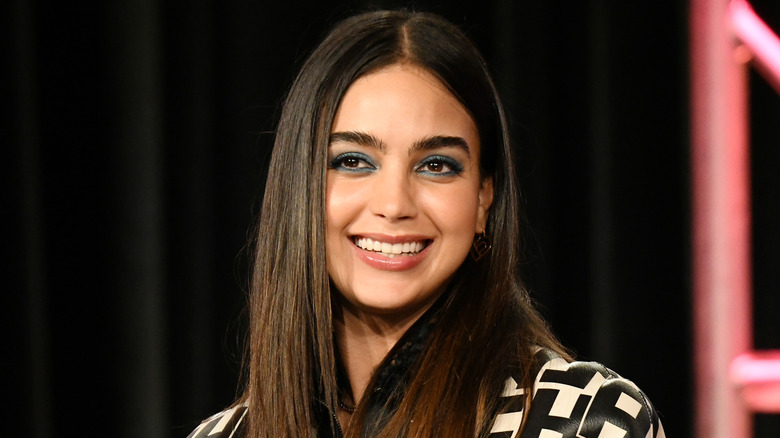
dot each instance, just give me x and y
(390, 249)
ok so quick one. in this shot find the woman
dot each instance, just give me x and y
(385, 299)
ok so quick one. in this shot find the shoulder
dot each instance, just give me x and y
(580, 399)
(226, 424)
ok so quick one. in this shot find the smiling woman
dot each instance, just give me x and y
(416, 183)
(369, 318)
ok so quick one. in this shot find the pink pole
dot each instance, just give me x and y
(758, 376)
(759, 38)
(721, 221)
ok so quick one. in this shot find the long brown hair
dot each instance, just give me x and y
(488, 325)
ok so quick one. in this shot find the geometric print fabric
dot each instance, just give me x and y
(577, 400)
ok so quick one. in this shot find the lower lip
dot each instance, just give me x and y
(399, 262)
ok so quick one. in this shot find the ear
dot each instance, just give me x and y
(485, 201)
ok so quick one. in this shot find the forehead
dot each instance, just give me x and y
(404, 99)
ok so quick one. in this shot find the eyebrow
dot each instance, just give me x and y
(361, 138)
(427, 143)
(440, 141)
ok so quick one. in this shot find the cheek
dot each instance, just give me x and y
(454, 211)
(343, 206)
(342, 201)
(335, 223)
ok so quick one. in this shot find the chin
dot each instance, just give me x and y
(391, 301)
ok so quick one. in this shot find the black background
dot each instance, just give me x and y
(136, 143)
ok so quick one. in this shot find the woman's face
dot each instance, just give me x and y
(404, 195)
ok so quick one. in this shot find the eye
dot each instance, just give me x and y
(435, 166)
(352, 162)
(439, 165)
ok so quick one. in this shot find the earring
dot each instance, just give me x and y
(481, 247)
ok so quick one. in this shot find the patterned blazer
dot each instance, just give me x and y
(577, 400)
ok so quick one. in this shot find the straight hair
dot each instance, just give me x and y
(488, 329)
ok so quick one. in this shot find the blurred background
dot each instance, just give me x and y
(136, 142)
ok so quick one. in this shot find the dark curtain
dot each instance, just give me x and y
(136, 143)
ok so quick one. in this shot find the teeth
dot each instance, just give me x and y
(390, 249)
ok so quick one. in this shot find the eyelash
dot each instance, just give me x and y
(360, 163)
(454, 165)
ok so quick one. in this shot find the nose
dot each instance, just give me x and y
(393, 197)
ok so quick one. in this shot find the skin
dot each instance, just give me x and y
(404, 167)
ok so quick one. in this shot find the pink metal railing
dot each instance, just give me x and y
(731, 380)
(758, 37)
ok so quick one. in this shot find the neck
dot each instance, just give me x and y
(364, 340)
